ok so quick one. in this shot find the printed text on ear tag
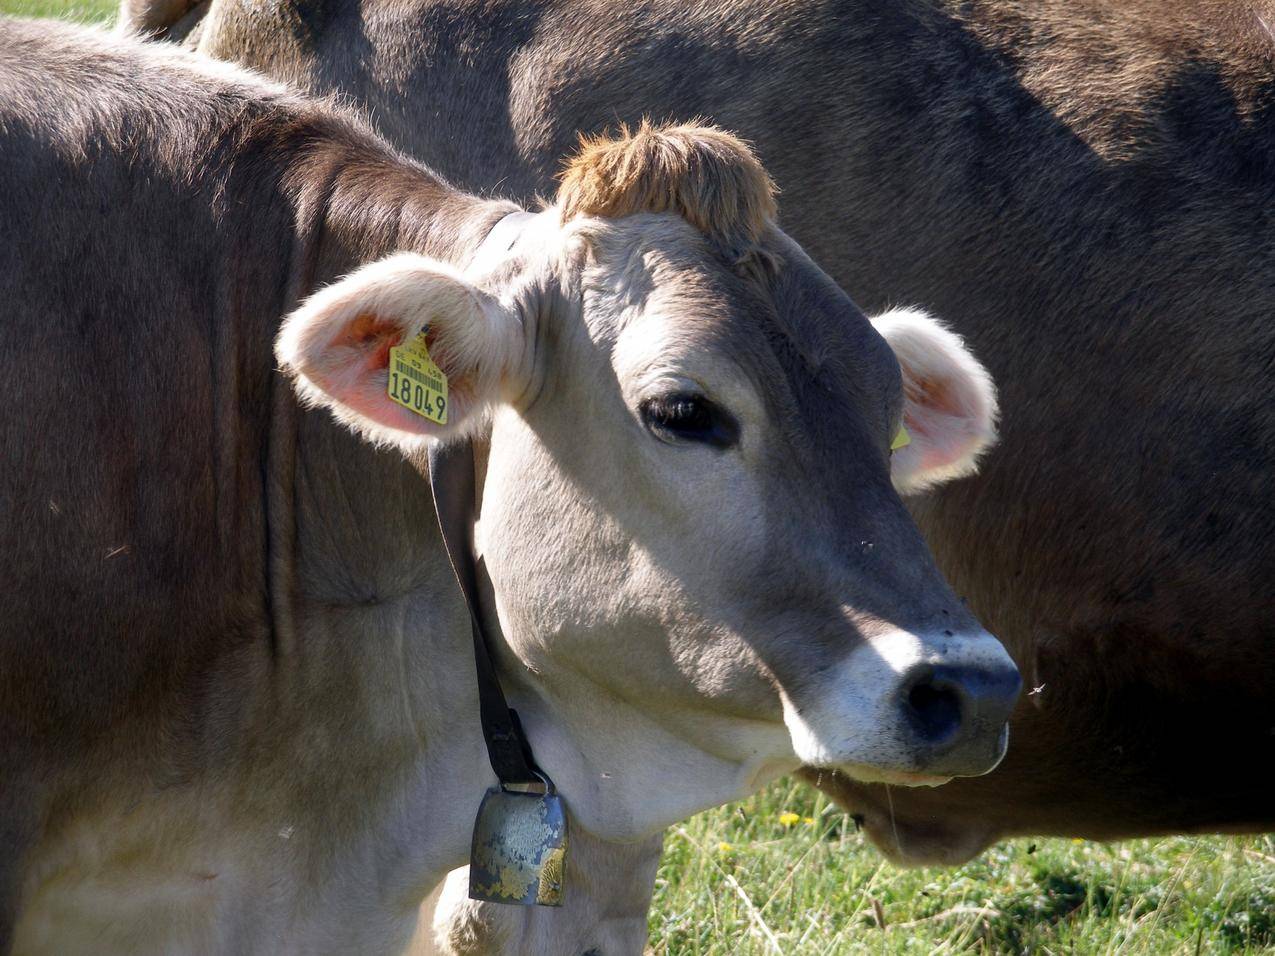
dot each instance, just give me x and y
(901, 440)
(416, 382)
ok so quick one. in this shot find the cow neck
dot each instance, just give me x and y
(500, 240)
(366, 204)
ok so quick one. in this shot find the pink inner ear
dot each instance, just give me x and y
(934, 415)
(933, 395)
(371, 335)
(938, 422)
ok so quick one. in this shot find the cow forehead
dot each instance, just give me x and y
(780, 320)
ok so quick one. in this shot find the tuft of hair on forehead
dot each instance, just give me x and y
(704, 174)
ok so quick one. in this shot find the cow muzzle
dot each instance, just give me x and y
(910, 709)
(959, 715)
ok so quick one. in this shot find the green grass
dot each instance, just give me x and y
(739, 880)
(85, 11)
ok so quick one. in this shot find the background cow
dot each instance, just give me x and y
(237, 701)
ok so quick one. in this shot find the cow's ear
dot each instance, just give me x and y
(337, 347)
(949, 402)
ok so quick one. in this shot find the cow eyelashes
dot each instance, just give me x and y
(686, 417)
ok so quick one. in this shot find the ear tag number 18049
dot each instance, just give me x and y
(415, 382)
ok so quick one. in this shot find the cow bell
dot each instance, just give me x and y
(520, 848)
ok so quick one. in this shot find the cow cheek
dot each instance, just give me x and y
(720, 666)
(550, 559)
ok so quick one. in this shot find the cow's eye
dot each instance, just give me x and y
(685, 417)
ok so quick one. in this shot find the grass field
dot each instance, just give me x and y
(785, 872)
(750, 878)
(82, 10)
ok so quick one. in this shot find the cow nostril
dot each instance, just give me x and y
(936, 711)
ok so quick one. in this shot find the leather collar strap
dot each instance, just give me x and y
(451, 479)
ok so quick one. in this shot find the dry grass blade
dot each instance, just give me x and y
(974, 911)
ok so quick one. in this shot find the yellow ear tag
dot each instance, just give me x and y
(901, 440)
(416, 383)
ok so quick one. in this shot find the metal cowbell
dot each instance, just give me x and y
(519, 849)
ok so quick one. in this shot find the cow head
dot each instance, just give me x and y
(699, 560)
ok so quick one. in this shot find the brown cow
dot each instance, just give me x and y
(1086, 188)
(237, 693)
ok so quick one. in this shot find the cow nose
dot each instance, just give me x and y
(959, 715)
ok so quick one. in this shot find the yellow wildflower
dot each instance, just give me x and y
(788, 818)
(724, 847)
